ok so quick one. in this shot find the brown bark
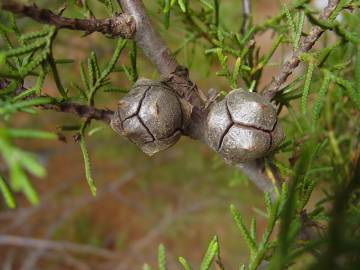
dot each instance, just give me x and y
(122, 25)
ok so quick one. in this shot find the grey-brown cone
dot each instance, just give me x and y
(149, 116)
(243, 126)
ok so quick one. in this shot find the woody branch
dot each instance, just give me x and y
(121, 25)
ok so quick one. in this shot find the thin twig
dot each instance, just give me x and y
(307, 43)
(255, 172)
(80, 110)
(122, 25)
(13, 240)
(83, 111)
(148, 38)
(246, 13)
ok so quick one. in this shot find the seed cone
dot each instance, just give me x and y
(149, 116)
(243, 126)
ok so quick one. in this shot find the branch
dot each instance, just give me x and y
(80, 110)
(255, 172)
(122, 25)
(20, 241)
(83, 111)
(246, 12)
(148, 38)
(291, 64)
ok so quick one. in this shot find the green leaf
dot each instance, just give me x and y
(9, 198)
(29, 134)
(87, 165)
(133, 59)
(33, 35)
(268, 203)
(162, 257)
(273, 49)
(30, 163)
(116, 89)
(236, 72)
(320, 99)
(244, 231)
(353, 94)
(9, 108)
(166, 12)
(253, 228)
(84, 78)
(119, 47)
(91, 72)
(289, 212)
(291, 25)
(25, 49)
(299, 29)
(95, 65)
(40, 80)
(357, 70)
(39, 59)
(207, 4)
(54, 69)
(306, 89)
(95, 130)
(146, 267)
(185, 264)
(183, 5)
(21, 182)
(211, 252)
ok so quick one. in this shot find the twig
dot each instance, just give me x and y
(306, 44)
(246, 13)
(80, 110)
(255, 171)
(13, 240)
(148, 38)
(83, 111)
(122, 25)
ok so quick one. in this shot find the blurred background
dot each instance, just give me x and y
(179, 197)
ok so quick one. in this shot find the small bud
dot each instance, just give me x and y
(243, 126)
(149, 116)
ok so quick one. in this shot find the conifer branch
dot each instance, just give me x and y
(307, 43)
(122, 25)
(83, 111)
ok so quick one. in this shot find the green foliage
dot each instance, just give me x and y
(19, 162)
(87, 163)
(185, 264)
(96, 79)
(31, 55)
(211, 252)
(5, 190)
(162, 258)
